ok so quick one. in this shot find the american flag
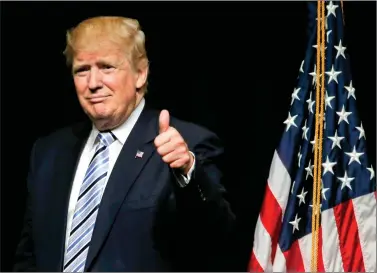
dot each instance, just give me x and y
(347, 233)
(139, 154)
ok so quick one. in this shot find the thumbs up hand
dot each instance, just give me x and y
(171, 145)
(163, 121)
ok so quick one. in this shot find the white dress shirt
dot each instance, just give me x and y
(121, 133)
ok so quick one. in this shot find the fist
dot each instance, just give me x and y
(171, 145)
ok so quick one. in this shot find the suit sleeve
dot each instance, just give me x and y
(204, 221)
(24, 256)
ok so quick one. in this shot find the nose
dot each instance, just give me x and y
(95, 80)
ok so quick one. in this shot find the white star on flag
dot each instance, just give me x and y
(340, 50)
(328, 100)
(328, 166)
(333, 75)
(301, 196)
(290, 121)
(343, 115)
(371, 172)
(294, 223)
(346, 181)
(336, 140)
(351, 91)
(361, 130)
(331, 9)
(295, 95)
(354, 156)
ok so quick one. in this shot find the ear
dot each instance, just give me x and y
(142, 74)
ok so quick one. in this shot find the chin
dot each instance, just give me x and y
(100, 111)
(98, 116)
(102, 125)
(103, 120)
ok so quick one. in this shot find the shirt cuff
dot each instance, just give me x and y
(182, 179)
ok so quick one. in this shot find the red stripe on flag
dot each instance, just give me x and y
(320, 265)
(270, 216)
(254, 266)
(349, 241)
(293, 258)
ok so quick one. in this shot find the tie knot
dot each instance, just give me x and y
(106, 138)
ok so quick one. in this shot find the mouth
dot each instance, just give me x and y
(97, 99)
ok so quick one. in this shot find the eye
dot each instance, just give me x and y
(107, 67)
(80, 70)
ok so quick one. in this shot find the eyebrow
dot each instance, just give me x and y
(78, 67)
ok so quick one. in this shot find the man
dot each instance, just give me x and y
(132, 190)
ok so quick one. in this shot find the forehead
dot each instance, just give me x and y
(99, 52)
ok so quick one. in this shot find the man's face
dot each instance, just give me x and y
(106, 85)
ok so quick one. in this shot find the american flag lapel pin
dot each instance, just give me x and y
(139, 154)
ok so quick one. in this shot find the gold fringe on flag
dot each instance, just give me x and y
(319, 118)
(319, 123)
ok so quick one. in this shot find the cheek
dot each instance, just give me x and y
(112, 83)
(80, 85)
(121, 88)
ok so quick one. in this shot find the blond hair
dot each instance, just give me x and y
(125, 32)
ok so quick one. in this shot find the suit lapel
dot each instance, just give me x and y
(61, 187)
(124, 174)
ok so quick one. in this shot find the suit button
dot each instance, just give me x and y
(201, 194)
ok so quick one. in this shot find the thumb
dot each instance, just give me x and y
(164, 121)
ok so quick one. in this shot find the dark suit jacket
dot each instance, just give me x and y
(145, 221)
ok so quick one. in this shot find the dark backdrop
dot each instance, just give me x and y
(228, 66)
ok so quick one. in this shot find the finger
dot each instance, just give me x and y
(179, 163)
(164, 121)
(166, 148)
(162, 139)
(171, 157)
(171, 135)
(176, 155)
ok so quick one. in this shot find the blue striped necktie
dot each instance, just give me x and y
(87, 205)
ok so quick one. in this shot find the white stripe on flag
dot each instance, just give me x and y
(279, 182)
(365, 213)
(262, 246)
(305, 244)
(279, 262)
(332, 258)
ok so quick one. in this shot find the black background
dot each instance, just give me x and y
(228, 66)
